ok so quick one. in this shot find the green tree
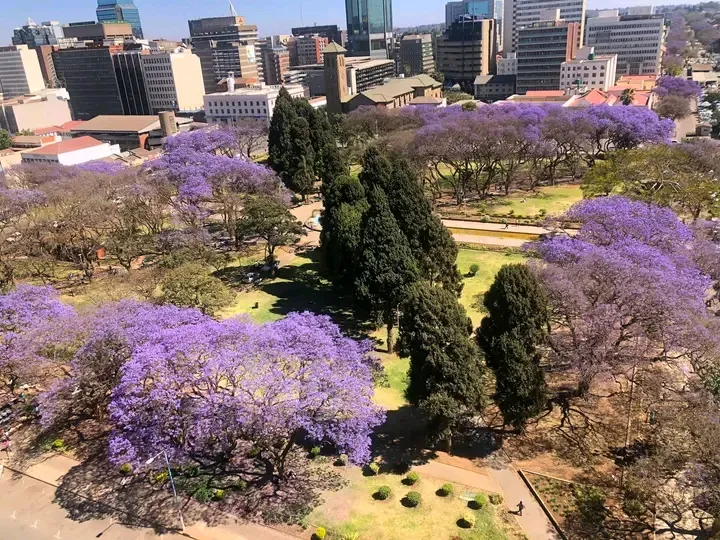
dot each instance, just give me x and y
(191, 286)
(673, 107)
(439, 77)
(266, 218)
(280, 142)
(299, 173)
(431, 243)
(511, 336)
(385, 266)
(627, 96)
(446, 376)
(469, 106)
(5, 140)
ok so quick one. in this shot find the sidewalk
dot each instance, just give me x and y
(29, 497)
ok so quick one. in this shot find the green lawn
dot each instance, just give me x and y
(553, 199)
(490, 262)
(354, 510)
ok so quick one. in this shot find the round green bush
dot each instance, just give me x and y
(495, 498)
(219, 494)
(58, 444)
(474, 269)
(342, 460)
(240, 485)
(383, 493)
(413, 498)
(479, 501)
(126, 469)
(314, 452)
(374, 468)
(412, 478)
(320, 533)
(467, 520)
(161, 477)
(446, 490)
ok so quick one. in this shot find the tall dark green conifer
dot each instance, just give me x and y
(385, 266)
(446, 376)
(511, 335)
(279, 136)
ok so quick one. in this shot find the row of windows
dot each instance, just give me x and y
(240, 103)
(235, 111)
(579, 68)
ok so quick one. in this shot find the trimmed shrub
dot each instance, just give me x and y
(412, 478)
(342, 460)
(478, 502)
(542, 213)
(374, 468)
(58, 445)
(161, 477)
(203, 494)
(315, 452)
(219, 495)
(240, 485)
(495, 498)
(126, 469)
(446, 490)
(413, 498)
(383, 493)
(467, 521)
(320, 533)
(474, 269)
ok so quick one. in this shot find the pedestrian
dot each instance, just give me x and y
(6, 442)
(521, 506)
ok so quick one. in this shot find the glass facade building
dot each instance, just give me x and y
(369, 27)
(120, 11)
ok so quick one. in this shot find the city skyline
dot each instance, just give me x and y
(168, 18)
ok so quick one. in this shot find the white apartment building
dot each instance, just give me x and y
(71, 152)
(520, 13)
(589, 71)
(246, 103)
(174, 80)
(20, 72)
(637, 40)
(507, 65)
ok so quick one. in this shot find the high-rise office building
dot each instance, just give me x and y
(89, 76)
(20, 72)
(467, 49)
(453, 11)
(99, 32)
(520, 13)
(120, 11)
(307, 49)
(542, 49)
(131, 82)
(44, 38)
(369, 27)
(33, 35)
(416, 54)
(276, 64)
(636, 39)
(174, 81)
(481, 9)
(224, 44)
(329, 31)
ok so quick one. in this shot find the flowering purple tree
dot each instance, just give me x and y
(205, 393)
(108, 338)
(34, 328)
(626, 292)
(677, 86)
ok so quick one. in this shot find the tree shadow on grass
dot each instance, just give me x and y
(400, 441)
(303, 287)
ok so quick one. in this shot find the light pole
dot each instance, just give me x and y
(172, 483)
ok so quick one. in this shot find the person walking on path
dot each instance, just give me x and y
(521, 506)
(6, 443)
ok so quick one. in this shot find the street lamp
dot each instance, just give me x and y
(172, 483)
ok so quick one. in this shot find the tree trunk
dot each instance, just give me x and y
(390, 331)
(283, 456)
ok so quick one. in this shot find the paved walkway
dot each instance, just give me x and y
(489, 240)
(494, 227)
(27, 512)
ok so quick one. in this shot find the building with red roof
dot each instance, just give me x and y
(71, 152)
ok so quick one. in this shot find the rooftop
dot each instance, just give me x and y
(495, 79)
(108, 123)
(545, 93)
(333, 47)
(385, 93)
(71, 145)
(261, 90)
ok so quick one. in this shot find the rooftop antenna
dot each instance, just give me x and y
(233, 13)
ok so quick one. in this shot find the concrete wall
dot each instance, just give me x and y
(39, 114)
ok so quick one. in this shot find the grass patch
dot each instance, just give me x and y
(490, 263)
(355, 510)
(495, 234)
(553, 199)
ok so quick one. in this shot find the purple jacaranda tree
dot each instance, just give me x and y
(677, 86)
(207, 393)
(35, 328)
(107, 338)
(626, 291)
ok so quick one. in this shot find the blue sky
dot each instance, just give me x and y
(168, 18)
